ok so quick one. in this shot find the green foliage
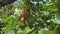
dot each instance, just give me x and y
(43, 17)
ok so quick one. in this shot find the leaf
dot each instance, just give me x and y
(57, 19)
(22, 32)
(45, 12)
(48, 32)
(11, 22)
(44, 31)
(27, 29)
(10, 32)
(33, 32)
(8, 27)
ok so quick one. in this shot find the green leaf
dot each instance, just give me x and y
(22, 32)
(48, 32)
(57, 19)
(8, 27)
(45, 12)
(27, 29)
(10, 32)
(33, 32)
(43, 31)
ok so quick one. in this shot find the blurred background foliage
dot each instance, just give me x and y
(44, 17)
